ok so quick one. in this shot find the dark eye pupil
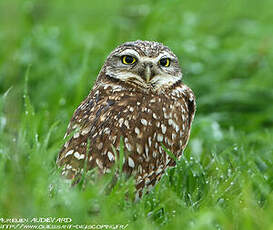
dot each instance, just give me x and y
(163, 62)
(129, 59)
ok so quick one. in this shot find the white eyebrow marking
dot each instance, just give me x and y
(166, 54)
(130, 52)
(155, 60)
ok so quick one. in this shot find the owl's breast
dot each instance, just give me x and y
(147, 124)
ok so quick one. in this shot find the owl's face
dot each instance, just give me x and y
(145, 64)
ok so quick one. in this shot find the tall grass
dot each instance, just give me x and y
(50, 54)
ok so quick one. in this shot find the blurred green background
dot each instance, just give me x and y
(225, 48)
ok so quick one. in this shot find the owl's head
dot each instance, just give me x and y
(143, 63)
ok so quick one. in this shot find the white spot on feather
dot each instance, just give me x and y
(129, 147)
(66, 144)
(159, 137)
(163, 127)
(152, 100)
(69, 153)
(121, 121)
(79, 156)
(173, 136)
(86, 130)
(126, 123)
(159, 170)
(169, 142)
(137, 131)
(170, 121)
(160, 149)
(107, 130)
(131, 162)
(76, 135)
(144, 122)
(114, 139)
(176, 127)
(139, 169)
(154, 116)
(150, 141)
(139, 148)
(68, 167)
(180, 143)
(147, 180)
(181, 133)
(110, 156)
(99, 163)
(168, 159)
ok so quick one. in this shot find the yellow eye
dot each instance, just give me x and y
(128, 60)
(165, 62)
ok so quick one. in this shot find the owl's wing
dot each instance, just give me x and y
(185, 103)
(84, 123)
(190, 100)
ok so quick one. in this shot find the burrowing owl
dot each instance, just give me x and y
(139, 96)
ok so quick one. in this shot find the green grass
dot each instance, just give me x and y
(50, 54)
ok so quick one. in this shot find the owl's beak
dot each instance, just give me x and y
(147, 73)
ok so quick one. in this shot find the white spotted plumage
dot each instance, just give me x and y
(144, 103)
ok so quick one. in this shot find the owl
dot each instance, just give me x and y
(139, 98)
